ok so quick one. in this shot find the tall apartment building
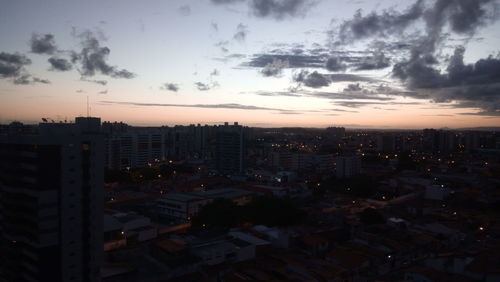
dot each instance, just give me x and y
(439, 141)
(132, 147)
(51, 203)
(230, 149)
(348, 166)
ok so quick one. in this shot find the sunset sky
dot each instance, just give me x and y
(314, 63)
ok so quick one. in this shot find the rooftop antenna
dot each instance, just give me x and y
(88, 108)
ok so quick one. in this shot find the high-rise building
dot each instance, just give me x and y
(348, 166)
(51, 203)
(230, 149)
(439, 141)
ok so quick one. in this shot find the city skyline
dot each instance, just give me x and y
(357, 64)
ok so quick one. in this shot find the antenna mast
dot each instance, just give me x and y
(88, 109)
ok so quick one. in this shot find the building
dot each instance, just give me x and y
(185, 205)
(439, 141)
(135, 147)
(348, 166)
(51, 203)
(230, 149)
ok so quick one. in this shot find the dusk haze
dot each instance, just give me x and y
(361, 64)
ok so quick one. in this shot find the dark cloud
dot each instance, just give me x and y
(206, 106)
(280, 9)
(59, 64)
(202, 86)
(103, 92)
(347, 77)
(274, 69)
(100, 82)
(26, 79)
(294, 61)
(226, 1)
(377, 61)
(362, 94)
(276, 9)
(185, 10)
(241, 33)
(298, 56)
(388, 22)
(353, 88)
(335, 64)
(358, 104)
(463, 16)
(483, 113)
(215, 72)
(93, 59)
(214, 26)
(478, 83)
(222, 45)
(313, 80)
(229, 57)
(40, 80)
(23, 80)
(11, 65)
(43, 44)
(80, 91)
(170, 87)
(421, 69)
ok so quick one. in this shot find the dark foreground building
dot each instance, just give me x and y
(51, 203)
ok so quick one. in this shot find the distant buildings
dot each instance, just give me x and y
(133, 147)
(348, 166)
(184, 205)
(298, 161)
(51, 203)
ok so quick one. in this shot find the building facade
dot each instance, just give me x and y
(51, 203)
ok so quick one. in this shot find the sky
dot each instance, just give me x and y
(267, 63)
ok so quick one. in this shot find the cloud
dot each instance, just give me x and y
(353, 88)
(202, 86)
(80, 91)
(215, 72)
(11, 65)
(280, 9)
(241, 33)
(275, 68)
(476, 84)
(347, 77)
(313, 80)
(214, 26)
(358, 104)
(377, 61)
(335, 64)
(424, 69)
(389, 22)
(294, 61)
(100, 82)
(222, 45)
(43, 44)
(275, 9)
(205, 106)
(170, 87)
(483, 113)
(221, 2)
(103, 92)
(185, 10)
(59, 64)
(93, 57)
(27, 79)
